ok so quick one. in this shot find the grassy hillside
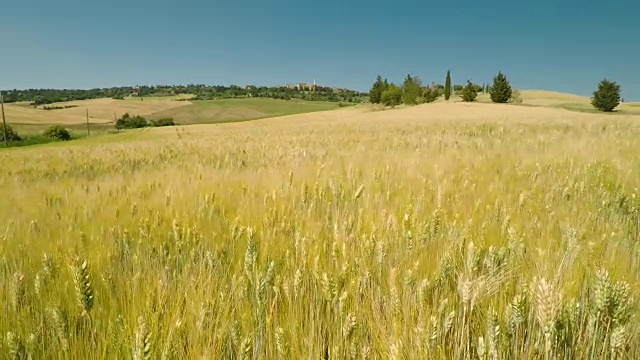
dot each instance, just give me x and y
(439, 231)
(554, 99)
(102, 112)
(225, 110)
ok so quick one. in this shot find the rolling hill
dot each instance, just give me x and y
(102, 112)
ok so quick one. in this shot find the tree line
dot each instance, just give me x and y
(128, 121)
(11, 137)
(201, 92)
(412, 92)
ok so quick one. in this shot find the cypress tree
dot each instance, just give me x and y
(447, 86)
(501, 89)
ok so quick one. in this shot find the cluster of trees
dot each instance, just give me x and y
(317, 93)
(202, 92)
(412, 92)
(128, 121)
(54, 132)
(57, 132)
(606, 97)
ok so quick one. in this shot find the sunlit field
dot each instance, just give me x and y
(441, 231)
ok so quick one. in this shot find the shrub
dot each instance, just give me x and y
(57, 132)
(392, 96)
(516, 97)
(11, 134)
(607, 96)
(501, 89)
(122, 122)
(163, 122)
(470, 92)
(431, 93)
(59, 107)
(131, 122)
(411, 90)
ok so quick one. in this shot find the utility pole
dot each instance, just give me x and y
(4, 122)
(88, 131)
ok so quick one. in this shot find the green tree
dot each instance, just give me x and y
(501, 89)
(11, 134)
(470, 92)
(607, 96)
(131, 122)
(431, 93)
(392, 96)
(57, 132)
(447, 86)
(168, 121)
(411, 90)
(375, 95)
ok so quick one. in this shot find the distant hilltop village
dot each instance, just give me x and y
(301, 87)
(312, 87)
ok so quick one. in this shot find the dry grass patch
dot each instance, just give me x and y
(551, 98)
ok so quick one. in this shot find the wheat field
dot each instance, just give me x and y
(441, 231)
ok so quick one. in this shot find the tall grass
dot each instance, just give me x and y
(338, 238)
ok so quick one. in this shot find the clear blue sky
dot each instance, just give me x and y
(564, 45)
